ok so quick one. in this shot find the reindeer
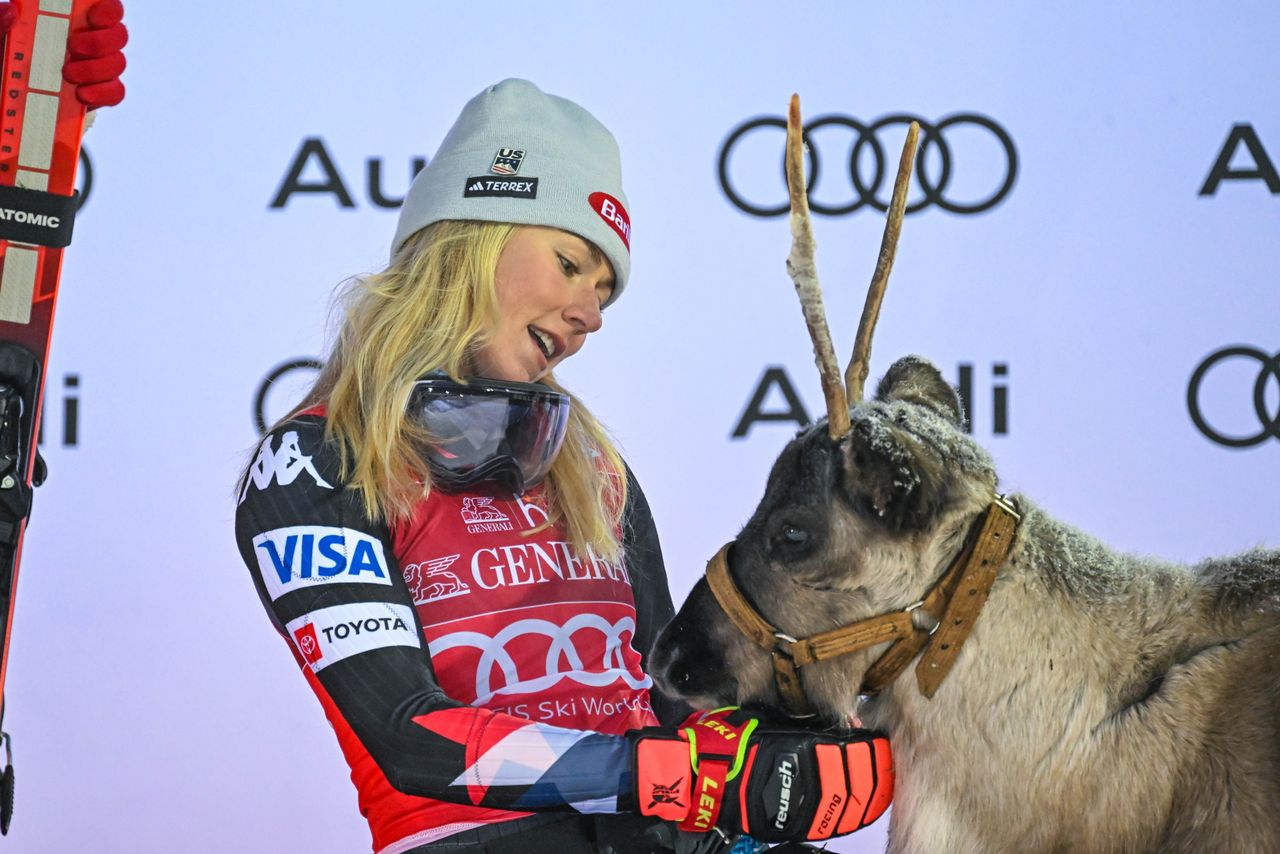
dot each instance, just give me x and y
(1066, 698)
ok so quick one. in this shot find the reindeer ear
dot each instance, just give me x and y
(889, 476)
(913, 379)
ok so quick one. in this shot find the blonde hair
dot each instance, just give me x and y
(430, 310)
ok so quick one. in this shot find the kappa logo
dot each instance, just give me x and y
(665, 794)
(431, 581)
(507, 161)
(481, 516)
(283, 465)
(328, 635)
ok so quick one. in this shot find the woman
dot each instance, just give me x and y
(466, 571)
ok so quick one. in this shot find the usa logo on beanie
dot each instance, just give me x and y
(612, 212)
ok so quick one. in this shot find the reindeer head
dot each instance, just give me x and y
(860, 517)
(848, 528)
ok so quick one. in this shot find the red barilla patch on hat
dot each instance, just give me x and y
(612, 212)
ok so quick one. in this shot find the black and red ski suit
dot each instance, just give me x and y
(473, 672)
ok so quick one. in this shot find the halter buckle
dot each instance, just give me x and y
(917, 606)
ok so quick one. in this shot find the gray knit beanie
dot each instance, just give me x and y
(519, 155)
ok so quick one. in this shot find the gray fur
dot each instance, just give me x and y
(1104, 702)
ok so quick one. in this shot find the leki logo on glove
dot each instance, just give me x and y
(507, 161)
(665, 794)
(708, 806)
(726, 731)
(612, 212)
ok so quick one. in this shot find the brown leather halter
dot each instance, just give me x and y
(953, 602)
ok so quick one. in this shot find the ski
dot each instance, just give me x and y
(41, 124)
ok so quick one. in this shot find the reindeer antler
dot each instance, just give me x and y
(855, 376)
(803, 271)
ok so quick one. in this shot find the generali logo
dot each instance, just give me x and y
(431, 580)
(481, 516)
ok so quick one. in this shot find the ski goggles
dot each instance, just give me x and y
(489, 430)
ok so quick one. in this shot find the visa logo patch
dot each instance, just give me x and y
(289, 558)
(329, 635)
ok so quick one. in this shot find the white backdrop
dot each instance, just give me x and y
(152, 706)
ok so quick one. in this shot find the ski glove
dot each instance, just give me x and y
(729, 770)
(95, 59)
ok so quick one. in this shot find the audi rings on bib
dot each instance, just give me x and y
(932, 134)
(1269, 370)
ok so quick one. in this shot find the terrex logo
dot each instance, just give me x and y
(289, 558)
(481, 186)
(612, 212)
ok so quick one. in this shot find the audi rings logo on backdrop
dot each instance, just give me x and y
(281, 389)
(1268, 375)
(870, 184)
(84, 178)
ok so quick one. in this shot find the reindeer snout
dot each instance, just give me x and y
(686, 663)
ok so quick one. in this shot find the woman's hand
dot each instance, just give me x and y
(95, 58)
(729, 770)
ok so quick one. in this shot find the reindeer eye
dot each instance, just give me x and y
(791, 538)
(794, 536)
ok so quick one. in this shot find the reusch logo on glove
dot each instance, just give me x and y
(612, 212)
(778, 789)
